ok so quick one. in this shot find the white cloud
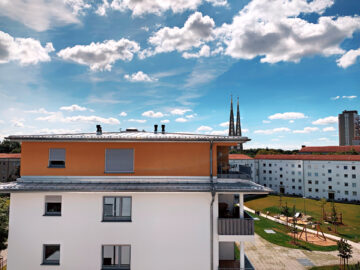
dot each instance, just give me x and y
(179, 111)
(266, 121)
(204, 128)
(326, 121)
(42, 15)
(165, 121)
(324, 139)
(58, 117)
(153, 114)
(328, 129)
(123, 114)
(73, 108)
(137, 120)
(272, 131)
(158, 7)
(196, 30)
(101, 56)
(244, 130)
(204, 52)
(287, 116)
(349, 97)
(181, 120)
(24, 50)
(335, 98)
(291, 121)
(19, 123)
(224, 124)
(39, 111)
(306, 130)
(224, 132)
(348, 59)
(275, 31)
(139, 77)
(191, 116)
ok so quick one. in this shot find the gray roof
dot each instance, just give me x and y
(45, 186)
(128, 136)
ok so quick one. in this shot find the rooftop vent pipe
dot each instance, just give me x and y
(155, 129)
(163, 129)
(98, 130)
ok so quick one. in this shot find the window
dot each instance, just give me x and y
(117, 209)
(345, 167)
(329, 179)
(292, 165)
(264, 164)
(293, 180)
(293, 173)
(57, 158)
(329, 171)
(309, 182)
(119, 161)
(264, 171)
(281, 176)
(346, 192)
(316, 182)
(281, 183)
(299, 180)
(52, 206)
(293, 187)
(316, 190)
(310, 189)
(299, 188)
(330, 187)
(281, 169)
(316, 174)
(353, 184)
(346, 184)
(51, 254)
(116, 257)
(353, 167)
(354, 193)
(345, 175)
(269, 164)
(309, 173)
(354, 176)
(270, 171)
(299, 166)
(270, 185)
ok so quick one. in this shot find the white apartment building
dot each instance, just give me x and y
(313, 176)
(128, 201)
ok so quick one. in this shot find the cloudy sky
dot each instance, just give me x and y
(67, 65)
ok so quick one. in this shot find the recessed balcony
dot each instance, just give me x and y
(236, 226)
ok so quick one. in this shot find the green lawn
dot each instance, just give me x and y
(350, 212)
(281, 238)
(335, 267)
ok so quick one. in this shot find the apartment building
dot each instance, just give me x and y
(349, 128)
(335, 177)
(329, 149)
(241, 162)
(128, 200)
(9, 166)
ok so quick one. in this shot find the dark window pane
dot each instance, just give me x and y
(53, 208)
(51, 254)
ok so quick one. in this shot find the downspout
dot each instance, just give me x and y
(211, 208)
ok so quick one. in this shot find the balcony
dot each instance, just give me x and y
(235, 265)
(233, 171)
(236, 226)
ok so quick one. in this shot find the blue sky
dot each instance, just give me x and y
(68, 65)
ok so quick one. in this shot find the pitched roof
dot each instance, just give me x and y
(310, 157)
(9, 155)
(128, 136)
(239, 156)
(329, 149)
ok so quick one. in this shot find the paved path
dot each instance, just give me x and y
(267, 256)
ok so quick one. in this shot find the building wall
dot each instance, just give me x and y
(312, 178)
(151, 158)
(8, 167)
(168, 231)
(249, 163)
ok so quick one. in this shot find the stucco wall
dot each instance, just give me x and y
(168, 231)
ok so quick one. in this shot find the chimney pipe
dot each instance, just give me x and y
(163, 129)
(155, 129)
(98, 130)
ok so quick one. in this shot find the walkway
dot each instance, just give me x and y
(267, 256)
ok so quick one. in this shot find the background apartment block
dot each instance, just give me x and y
(349, 128)
(128, 200)
(9, 166)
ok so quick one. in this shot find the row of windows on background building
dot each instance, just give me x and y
(115, 257)
(114, 208)
(345, 167)
(116, 160)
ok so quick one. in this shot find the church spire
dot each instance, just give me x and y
(231, 122)
(238, 125)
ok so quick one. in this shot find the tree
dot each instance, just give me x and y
(286, 212)
(334, 216)
(4, 220)
(294, 224)
(345, 251)
(323, 203)
(9, 147)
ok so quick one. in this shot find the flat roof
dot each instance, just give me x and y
(128, 136)
(47, 186)
(329, 149)
(10, 155)
(310, 157)
(239, 156)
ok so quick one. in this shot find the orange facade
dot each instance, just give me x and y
(150, 158)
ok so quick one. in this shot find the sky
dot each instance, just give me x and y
(67, 65)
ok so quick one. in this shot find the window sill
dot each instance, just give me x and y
(118, 172)
(56, 167)
(52, 215)
(49, 263)
(116, 220)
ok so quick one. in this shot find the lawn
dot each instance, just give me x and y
(281, 238)
(350, 212)
(336, 267)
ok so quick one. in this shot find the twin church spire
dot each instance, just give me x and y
(232, 130)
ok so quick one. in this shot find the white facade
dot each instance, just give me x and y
(167, 231)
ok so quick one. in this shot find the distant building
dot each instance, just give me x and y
(9, 166)
(349, 128)
(329, 149)
(232, 130)
(243, 163)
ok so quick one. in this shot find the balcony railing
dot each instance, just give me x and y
(230, 171)
(236, 226)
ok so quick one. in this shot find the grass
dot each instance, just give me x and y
(336, 267)
(282, 239)
(350, 212)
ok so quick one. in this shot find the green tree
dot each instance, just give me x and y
(334, 216)
(345, 251)
(4, 220)
(286, 212)
(323, 202)
(294, 224)
(9, 147)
